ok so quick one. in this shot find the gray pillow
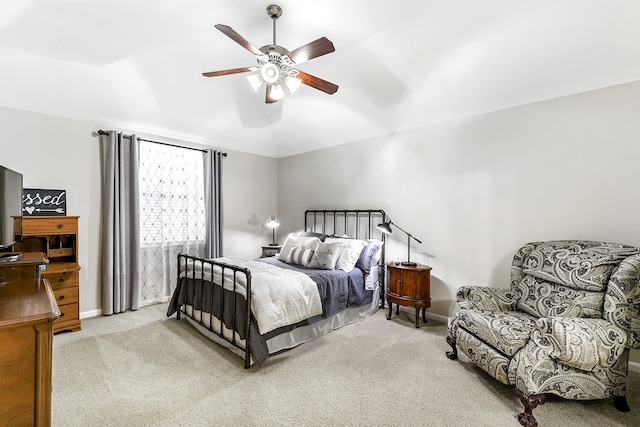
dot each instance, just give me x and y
(368, 258)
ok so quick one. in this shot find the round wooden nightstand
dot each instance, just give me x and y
(410, 286)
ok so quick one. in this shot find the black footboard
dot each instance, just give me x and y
(220, 293)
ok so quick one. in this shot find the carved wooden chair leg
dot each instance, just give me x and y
(620, 402)
(453, 355)
(530, 402)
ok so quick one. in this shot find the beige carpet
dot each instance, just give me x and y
(142, 369)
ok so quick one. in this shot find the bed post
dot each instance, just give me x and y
(247, 324)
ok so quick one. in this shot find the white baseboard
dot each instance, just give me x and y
(98, 312)
(90, 313)
(438, 317)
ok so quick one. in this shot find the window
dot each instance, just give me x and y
(172, 214)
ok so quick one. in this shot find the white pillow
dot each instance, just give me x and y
(349, 254)
(325, 256)
(297, 241)
(300, 256)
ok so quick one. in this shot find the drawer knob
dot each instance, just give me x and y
(61, 315)
(61, 279)
(60, 225)
(61, 297)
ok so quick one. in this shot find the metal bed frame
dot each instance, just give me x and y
(325, 221)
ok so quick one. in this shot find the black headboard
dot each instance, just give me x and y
(356, 223)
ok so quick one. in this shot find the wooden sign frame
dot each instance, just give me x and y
(41, 202)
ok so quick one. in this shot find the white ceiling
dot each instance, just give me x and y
(137, 64)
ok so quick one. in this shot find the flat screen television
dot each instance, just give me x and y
(10, 207)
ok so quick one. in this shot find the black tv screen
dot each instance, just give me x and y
(10, 207)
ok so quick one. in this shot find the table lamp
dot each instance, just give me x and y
(273, 224)
(386, 228)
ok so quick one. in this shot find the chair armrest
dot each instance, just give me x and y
(486, 298)
(585, 344)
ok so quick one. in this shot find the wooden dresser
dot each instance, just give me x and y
(410, 286)
(57, 238)
(27, 312)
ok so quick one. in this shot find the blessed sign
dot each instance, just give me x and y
(36, 202)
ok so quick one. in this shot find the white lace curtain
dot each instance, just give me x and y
(172, 214)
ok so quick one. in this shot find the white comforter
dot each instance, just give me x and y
(280, 297)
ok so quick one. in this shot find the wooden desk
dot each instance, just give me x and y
(410, 286)
(27, 311)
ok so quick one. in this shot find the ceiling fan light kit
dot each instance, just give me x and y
(276, 64)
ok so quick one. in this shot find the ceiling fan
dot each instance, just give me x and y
(276, 64)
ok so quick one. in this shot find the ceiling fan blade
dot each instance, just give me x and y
(227, 72)
(229, 32)
(316, 48)
(317, 83)
(268, 98)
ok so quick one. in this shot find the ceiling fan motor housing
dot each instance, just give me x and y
(274, 11)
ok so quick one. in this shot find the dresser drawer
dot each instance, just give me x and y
(62, 252)
(67, 279)
(66, 296)
(49, 225)
(68, 320)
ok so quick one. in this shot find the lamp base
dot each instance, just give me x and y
(409, 263)
(274, 244)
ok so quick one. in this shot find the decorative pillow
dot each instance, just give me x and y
(369, 255)
(349, 252)
(325, 256)
(300, 256)
(294, 241)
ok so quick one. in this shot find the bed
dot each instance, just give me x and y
(326, 276)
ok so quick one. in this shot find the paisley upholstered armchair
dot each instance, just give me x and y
(564, 327)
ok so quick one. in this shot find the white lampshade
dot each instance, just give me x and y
(292, 84)
(273, 222)
(255, 80)
(277, 92)
(270, 73)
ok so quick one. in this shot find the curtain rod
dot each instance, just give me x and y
(101, 132)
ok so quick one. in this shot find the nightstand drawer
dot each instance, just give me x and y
(32, 226)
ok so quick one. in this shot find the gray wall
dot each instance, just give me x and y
(58, 153)
(475, 189)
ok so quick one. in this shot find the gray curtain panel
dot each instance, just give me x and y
(213, 202)
(120, 259)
